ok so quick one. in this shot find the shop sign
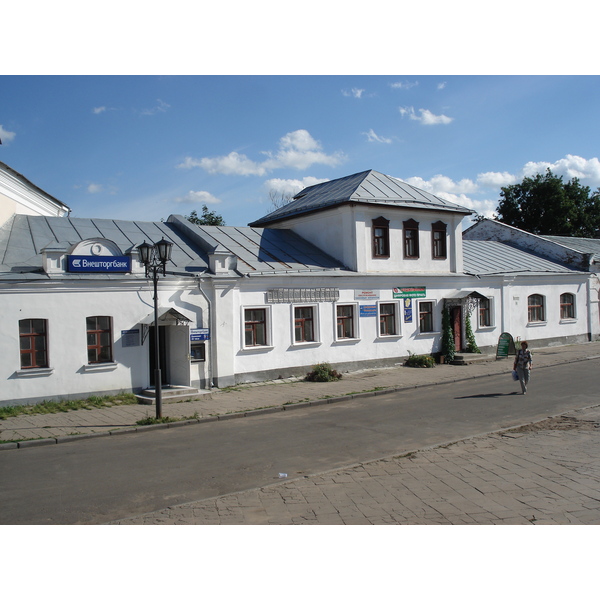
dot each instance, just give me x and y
(130, 337)
(407, 310)
(366, 294)
(368, 310)
(99, 264)
(199, 335)
(506, 346)
(410, 292)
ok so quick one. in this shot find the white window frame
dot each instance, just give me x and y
(355, 322)
(434, 317)
(268, 327)
(316, 324)
(492, 324)
(544, 309)
(568, 319)
(398, 314)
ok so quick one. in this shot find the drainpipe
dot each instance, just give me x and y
(210, 330)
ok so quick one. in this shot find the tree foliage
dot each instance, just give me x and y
(208, 217)
(545, 205)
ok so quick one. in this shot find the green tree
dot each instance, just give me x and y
(208, 217)
(545, 205)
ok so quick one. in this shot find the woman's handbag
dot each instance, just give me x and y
(515, 376)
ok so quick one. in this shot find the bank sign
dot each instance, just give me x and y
(99, 264)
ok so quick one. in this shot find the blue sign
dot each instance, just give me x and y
(407, 310)
(99, 264)
(368, 310)
(199, 335)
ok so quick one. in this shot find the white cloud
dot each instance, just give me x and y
(98, 109)
(373, 137)
(354, 93)
(94, 188)
(200, 197)
(297, 150)
(291, 186)
(6, 136)
(159, 108)
(586, 170)
(439, 184)
(404, 85)
(426, 117)
(494, 179)
(441, 85)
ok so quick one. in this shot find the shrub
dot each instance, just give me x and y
(323, 372)
(424, 361)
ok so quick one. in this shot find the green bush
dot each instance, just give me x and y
(323, 372)
(424, 361)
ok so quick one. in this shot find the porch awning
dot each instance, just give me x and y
(166, 315)
(462, 294)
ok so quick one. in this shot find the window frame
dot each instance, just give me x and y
(396, 319)
(439, 245)
(266, 310)
(381, 243)
(98, 347)
(410, 243)
(488, 311)
(572, 305)
(431, 314)
(314, 319)
(353, 319)
(536, 310)
(32, 351)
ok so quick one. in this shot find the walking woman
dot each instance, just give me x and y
(522, 365)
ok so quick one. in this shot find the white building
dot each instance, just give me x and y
(354, 272)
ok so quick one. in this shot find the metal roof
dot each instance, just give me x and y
(23, 238)
(482, 257)
(585, 245)
(369, 187)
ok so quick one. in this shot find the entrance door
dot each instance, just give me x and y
(162, 351)
(457, 327)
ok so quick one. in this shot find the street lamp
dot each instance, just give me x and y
(154, 259)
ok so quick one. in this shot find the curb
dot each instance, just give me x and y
(257, 412)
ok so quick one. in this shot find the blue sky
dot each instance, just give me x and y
(145, 147)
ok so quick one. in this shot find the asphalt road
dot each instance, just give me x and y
(103, 479)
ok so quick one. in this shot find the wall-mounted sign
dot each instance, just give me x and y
(407, 310)
(99, 264)
(410, 292)
(368, 310)
(366, 294)
(291, 295)
(130, 337)
(199, 335)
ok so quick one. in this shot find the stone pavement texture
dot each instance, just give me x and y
(246, 400)
(545, 474)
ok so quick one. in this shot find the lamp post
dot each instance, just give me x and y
(154, 259)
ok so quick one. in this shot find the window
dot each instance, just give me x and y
(485, 312)
(425, 317)
(255, 327)
(304, 330)
(411, 239)
(535, 308)
(387, 319)
(438, 240)
(381, 238)
(99, 339)
(345, 321)
(567, 306)
(33, 343)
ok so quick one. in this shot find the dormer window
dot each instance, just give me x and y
(381, 238)
(438, 240)
(411, 239)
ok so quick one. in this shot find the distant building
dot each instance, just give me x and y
(354, 272)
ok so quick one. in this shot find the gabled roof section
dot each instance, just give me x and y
(368, 187)
(484, 257)
(585, 245)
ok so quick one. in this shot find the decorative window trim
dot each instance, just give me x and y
(315, 325)
(380, 243)
(268, 328)
(413, 226)
(98, 367)
(397, 320)
(433, 331)
(35, 372)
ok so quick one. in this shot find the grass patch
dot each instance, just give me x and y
(49, 407)
(155, 421)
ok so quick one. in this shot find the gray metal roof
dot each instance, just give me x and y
(23, 238)
(482, 257)
(585, 245)
(369, 187)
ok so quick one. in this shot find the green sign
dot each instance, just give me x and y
(409, 292)
(506, 346)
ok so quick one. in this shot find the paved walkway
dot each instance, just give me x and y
(245, 400)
